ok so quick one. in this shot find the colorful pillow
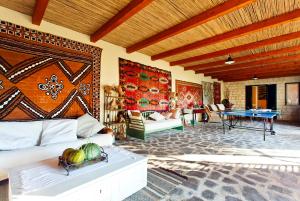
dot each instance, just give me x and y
(136, 114)
(176, 113)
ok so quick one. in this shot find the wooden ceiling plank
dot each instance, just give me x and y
(275, 21)
(207, 66)
(211, 14)
(275, 75)
(128, 11)
(240, 48)
(39, 11)
(250, 64)
(260, 69)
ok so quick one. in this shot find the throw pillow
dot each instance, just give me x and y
(58, 131)
(18, 135)
(136, 114)
(88, 126)
(156, 116)
(176, 113)
(167, 115)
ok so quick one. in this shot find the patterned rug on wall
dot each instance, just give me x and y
(217, 93)
(146, 87)
(208, 93)
(43, 76)
(187, 93)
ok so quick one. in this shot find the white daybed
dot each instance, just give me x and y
(124, 174)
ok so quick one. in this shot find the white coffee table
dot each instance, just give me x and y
(124, 174)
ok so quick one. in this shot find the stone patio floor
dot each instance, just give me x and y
(234, 166)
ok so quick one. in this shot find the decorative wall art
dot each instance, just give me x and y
(217, 93)
(146, 88)
(45, 76)
(208, 90)
(188, 93)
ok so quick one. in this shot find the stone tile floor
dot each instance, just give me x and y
(234, 166)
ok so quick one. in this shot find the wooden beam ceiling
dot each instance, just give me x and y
(211, 14)
(240, 48)
(284, 18)
(207, 66)
(128, 11)
(235, 67)
(39, 11)
(269, 75)
(258, 69)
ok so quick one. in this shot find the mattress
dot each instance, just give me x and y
(151, 126)
(10, 159)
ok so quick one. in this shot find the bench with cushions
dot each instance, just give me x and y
(141, 125)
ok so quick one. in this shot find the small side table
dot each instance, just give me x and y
(4, 186)
(197, 111)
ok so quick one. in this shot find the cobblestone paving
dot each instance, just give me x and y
(234, 166)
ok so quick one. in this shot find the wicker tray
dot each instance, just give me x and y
(69, 167)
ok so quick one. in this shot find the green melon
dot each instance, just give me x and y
(91, 150)
(67, 152)
(76, 157)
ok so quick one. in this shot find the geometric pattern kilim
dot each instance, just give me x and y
(188, 93)
(42, 75)
(146, 87)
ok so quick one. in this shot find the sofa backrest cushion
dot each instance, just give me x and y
(88, 126)
(157, 116)
(214, 108)
(221, 107)
(58, 131)
(18, 135)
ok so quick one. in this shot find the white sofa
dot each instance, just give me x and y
(124, 174)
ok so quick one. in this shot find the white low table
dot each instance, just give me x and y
(124, 174)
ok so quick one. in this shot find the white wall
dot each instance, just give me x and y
(110, 54)
(238, 95)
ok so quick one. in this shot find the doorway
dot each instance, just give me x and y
(261, 97)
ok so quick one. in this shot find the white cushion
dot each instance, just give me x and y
(58, 131)
(221, 107)
(214, 107)
(17, 135)
(88, 126)
(157, 116)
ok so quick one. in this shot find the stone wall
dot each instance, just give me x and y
(237, 95)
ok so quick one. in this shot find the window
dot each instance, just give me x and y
(292, 91)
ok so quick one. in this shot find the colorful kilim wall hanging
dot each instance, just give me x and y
(217, 93)
(146, 88)
(43, 76)
(208, 93)
(188, 94)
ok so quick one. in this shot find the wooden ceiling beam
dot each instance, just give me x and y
(128, 11)
(39, 11)
(275, 75)
(210, 65)
(240, 48)
(250, 64)
(260, 69)
(274, 21)
(211, 14)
